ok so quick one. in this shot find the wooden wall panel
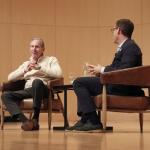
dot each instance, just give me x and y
(77, 12)
(146, 43)
(33, 12)
(5, 11)
(21, 37)
(5, 51)
(73, 48)
(137, 35)
(109, 11)
(146, 11)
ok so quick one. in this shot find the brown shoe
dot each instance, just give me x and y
(27, 125)
(35, 124)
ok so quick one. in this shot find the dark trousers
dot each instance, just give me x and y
(38, 91)
(85, 88)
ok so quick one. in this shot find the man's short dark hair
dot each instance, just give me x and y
(126, 26)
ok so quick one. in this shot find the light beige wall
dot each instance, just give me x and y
(75, 31)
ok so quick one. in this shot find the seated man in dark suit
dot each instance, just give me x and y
(128, 55)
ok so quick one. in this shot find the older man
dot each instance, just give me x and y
(36, 71)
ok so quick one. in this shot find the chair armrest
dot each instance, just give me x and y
(55, 82)
(138, 76)
(12, 86)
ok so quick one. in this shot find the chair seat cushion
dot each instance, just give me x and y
(124, 102)
(57, 106)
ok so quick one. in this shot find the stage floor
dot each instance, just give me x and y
(126, 135)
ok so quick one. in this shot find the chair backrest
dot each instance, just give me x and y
(139, 76)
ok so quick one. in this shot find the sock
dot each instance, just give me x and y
(93, 117)
(84, 118)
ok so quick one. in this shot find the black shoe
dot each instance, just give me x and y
(30, 125)
(77, 124)
(27, 125)
(88, 126)
(11, 119)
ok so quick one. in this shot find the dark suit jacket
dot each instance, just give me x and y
(129, 56)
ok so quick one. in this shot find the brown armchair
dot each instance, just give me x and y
(52, 105)
(138, 76)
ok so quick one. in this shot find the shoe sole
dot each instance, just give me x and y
(26, 129)
(34, 129)
(70, 129)
(89, 131)
(66, 130)
(27, 126)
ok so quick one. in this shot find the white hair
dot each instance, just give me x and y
(41, 42)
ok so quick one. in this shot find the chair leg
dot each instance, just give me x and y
(67, 122)
(99, 114)
(104, 107)
(2, 119)
(2, 114)
(50, 111)
(49, 119)
(141, 121)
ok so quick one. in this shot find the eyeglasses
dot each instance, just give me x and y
(113, 29)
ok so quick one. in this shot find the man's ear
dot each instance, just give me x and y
(119, 31)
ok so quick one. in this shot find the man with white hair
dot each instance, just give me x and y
(36, 71)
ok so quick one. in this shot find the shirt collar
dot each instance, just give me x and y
(119, 46)
(122, 43)
(38, 58)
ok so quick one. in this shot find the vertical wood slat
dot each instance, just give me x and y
(104, 107)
